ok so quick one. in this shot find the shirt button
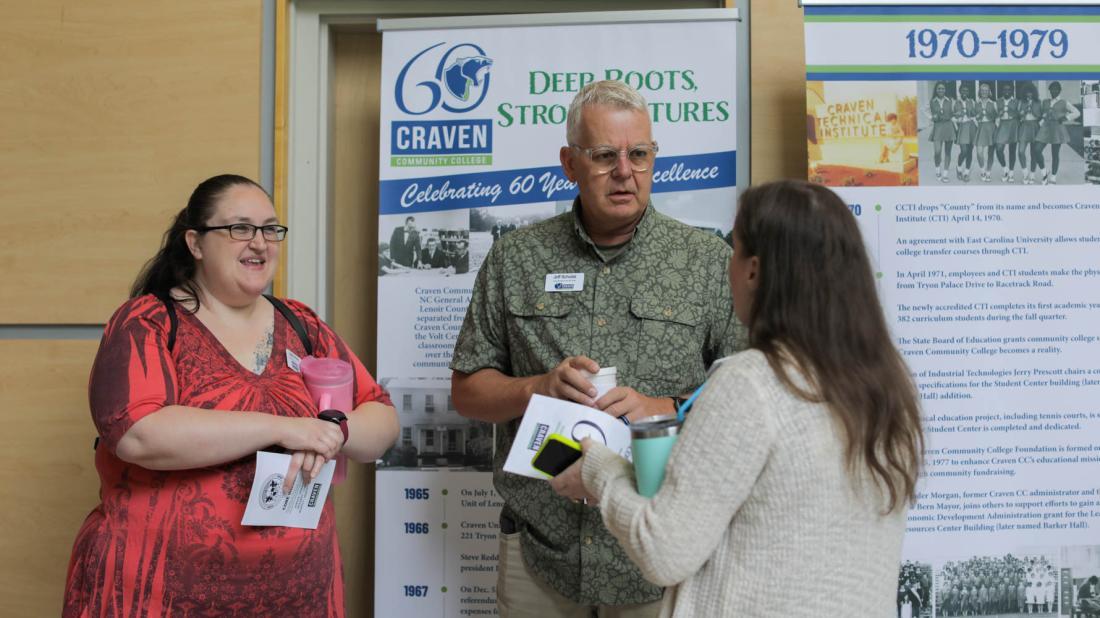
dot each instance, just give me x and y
(668, 312)
(606, 269)
(587, 540)
(601, 322)
(540, 306)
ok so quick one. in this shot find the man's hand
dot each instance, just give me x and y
(567, 382)
(625, 401)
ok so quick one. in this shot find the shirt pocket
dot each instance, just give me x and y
(541, 331)
(670, 341)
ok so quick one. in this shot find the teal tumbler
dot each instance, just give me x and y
(651, 442)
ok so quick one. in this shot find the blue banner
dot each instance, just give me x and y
(543, 184)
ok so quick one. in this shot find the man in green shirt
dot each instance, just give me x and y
(613, 283)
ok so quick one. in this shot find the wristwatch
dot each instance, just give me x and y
(338, 417)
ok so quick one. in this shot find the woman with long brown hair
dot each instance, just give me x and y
(786, 493)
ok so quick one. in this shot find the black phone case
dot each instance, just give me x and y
(555, 458)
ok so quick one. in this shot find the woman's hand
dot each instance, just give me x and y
(569, 484)
(308, 463)
(312, 442)
(310, 434)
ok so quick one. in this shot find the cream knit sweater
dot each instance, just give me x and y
(757, 515)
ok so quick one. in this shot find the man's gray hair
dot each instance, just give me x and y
(608, 92)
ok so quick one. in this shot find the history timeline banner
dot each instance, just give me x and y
(966, 140)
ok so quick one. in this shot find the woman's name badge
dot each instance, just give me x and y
(293, 361)
(564, 282)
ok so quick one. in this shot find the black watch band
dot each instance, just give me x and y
(338, 417)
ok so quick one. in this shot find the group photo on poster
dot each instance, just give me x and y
(429, 244)
(1002, 132)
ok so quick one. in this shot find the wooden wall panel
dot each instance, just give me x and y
(48, 482)
(355, 86)
(110, 113)
(778, 69)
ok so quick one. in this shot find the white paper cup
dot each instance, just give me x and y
(604, 380)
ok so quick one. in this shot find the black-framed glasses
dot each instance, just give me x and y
(605, 158)
(247, 231)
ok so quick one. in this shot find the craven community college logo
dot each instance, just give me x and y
(453, 80)
(463, 74)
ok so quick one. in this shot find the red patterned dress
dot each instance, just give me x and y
(171, 543)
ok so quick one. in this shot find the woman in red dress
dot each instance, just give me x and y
(180, 419)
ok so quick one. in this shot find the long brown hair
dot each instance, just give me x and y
(815, 304)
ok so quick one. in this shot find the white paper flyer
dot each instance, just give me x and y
(546, 415)
(269, 506)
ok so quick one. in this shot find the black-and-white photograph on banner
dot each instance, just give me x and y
(706, 210)
(1081, 568)
(914, 590)
(425, 244)
(1023, 583)
(433, 435)
(1090, 118)
(982, 131)
(488, 225)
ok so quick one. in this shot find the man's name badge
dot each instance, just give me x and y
(564, 282)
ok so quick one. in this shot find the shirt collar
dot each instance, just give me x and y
(644, 224)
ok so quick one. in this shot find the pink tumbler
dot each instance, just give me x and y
(329, 381)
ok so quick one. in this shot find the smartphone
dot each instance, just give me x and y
(556, 454)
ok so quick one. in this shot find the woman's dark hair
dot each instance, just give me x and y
(173, 266)
(1054, 85)
(816, 305)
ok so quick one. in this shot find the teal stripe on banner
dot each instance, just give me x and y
(1053, 69)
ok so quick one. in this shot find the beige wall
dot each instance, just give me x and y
(46, 474)
(112, 111)
(114, 108)
(356, 77)
(778, 68)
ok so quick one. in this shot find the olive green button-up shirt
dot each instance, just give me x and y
(659, 311)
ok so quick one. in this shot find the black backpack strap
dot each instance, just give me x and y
(295, 323)
(173, 319)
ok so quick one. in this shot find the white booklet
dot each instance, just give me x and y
(546, 415)
(269, 506)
